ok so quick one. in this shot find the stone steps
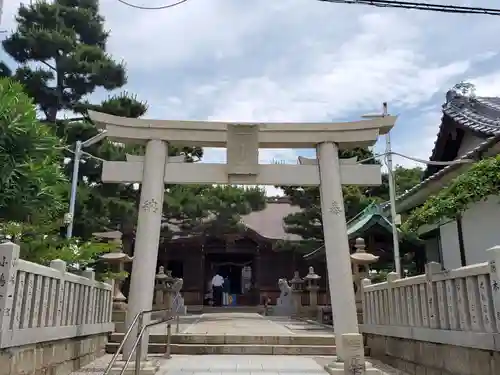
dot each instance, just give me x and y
(194, 339)
(197, 344)
(249, 349)
(225, 309)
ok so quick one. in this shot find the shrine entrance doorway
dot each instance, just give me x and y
(237, 271)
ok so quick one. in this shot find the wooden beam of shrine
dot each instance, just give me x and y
(268, 174)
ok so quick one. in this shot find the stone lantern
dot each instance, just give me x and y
(116, 259)
(361, 261)
(312, 285)
(297, 284)
(160, 287)
(163, 287)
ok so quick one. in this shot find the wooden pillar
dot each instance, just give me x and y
(257, 275)
(202, 277)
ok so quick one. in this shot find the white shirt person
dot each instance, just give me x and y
(217, 283)
(217, 280)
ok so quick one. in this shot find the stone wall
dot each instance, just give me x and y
(426, 358)
(59, 357)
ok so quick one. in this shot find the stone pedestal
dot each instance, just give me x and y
(338, 368)
(313, 295)
(148, 367)
(353, 357)
(361, 261)
(297, 285)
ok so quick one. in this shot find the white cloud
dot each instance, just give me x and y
(300, 60)
(488, 85)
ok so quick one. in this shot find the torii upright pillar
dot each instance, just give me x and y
(336, 244)
(142, 282)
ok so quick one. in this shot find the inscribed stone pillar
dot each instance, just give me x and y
(336, 243)
(142, 281)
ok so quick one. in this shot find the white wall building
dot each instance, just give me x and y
(470, 129)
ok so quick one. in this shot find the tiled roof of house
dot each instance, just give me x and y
(472, 154)
(479, 114)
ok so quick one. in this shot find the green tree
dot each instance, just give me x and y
(405, 179)
(32, 184)
(33, 187)
(308, 222)
(60, 47)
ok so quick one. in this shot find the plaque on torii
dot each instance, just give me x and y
(242, 142)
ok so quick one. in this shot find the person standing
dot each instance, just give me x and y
(227, 290)
(217, 283)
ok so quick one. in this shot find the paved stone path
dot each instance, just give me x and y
(241, 365)
(235, 365)
(234, 323)
(237, 324)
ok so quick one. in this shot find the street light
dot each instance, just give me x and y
(74, 180)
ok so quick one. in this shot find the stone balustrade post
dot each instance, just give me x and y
(366, 306)
(431, 269)
(394, 309)
(494, 260)
(59, 265)
(9, 256)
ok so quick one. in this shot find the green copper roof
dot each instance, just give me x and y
(361, 223)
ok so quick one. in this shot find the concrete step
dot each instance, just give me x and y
(249, 349)
(225, 309)
(193, 339)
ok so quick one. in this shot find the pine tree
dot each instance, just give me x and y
(60, 47)
(308, 222)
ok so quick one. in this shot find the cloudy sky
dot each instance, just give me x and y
(300, 60)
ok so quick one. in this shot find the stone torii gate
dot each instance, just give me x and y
(242, 141)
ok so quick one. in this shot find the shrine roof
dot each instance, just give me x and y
(370, 217)
(268, 223)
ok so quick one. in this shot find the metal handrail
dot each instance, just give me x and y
(177, 296)
(141, 331)
(137, 346)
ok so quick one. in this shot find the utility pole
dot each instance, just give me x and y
(392, 190)
(392, 196)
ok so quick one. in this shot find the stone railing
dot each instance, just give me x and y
(40, 304)
(460, 307)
